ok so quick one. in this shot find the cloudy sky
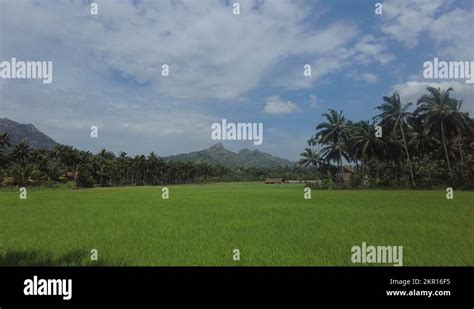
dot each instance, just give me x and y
(244, 68)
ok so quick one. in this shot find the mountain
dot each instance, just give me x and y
(28, 132)
(217, 154)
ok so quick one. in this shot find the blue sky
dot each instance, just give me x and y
(244, 68)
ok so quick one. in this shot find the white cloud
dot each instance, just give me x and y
(314, 102)
(211, 53)
(407, 21)
(369, 77)
(366, 77)
(454, 33)
(411, 91)
(364, 51)
(275, 105)
(370, 49)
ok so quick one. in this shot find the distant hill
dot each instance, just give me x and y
(217, 154)
(28, 132)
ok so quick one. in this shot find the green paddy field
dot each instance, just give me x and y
(203, 224)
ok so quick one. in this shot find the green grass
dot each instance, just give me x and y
(202, 224)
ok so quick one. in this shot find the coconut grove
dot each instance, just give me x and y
(79, 203)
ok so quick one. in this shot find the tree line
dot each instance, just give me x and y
(23, 166)
(423, 145)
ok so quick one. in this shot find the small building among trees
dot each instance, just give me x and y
(346, 173)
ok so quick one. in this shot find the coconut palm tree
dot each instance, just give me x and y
(333, 129)
(442, 117)
(123, 165)
(21, 152)
(312, 142)
(462, 127)
(334, 151)
(21, 174)
(152, 168)
(333, 135)
(394, 116)
(310, 158)
(5, 140)
(420, 141)
(54, 171)
(104, 167)
(365, 145)
(72, 159)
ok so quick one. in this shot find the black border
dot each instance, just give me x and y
(239, 285)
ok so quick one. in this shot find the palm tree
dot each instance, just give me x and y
(21, 152)
(139, 162)
(123, 166)
(440, 112)
(310, 158)
(333, 129)
(21, 174)
(5, 140)
(54, 171)
(333, 135)
(419, 139)
(365, 145)
(334, 151)
(153, 168)
(312, 142)
(72, 159)
(394, 115)
(462, 127)
(104, 167)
